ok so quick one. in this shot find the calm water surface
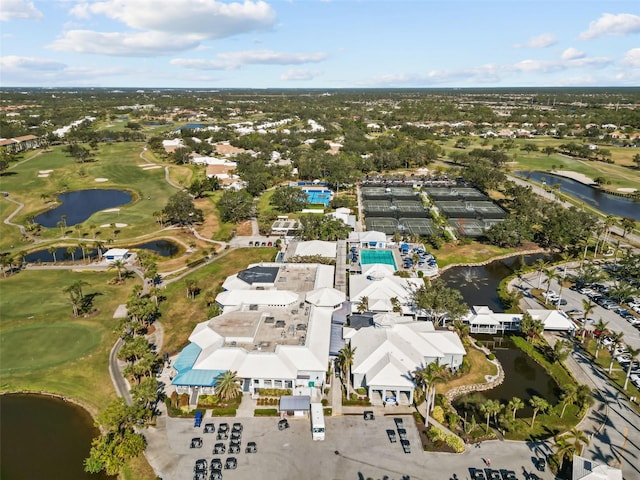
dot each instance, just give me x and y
(607, 203)
(44, 437)
(80, 205)
(164, 248)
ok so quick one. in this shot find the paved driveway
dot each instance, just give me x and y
(354, 449)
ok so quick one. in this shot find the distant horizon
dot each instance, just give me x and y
(320, 44)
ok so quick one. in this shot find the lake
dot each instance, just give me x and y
(164, 248)
(524, 378)
(44, 437)
(78, 206)
(605, 202)
(62, 255)
(479, 285)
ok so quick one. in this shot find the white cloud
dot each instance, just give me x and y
(207, 18)
(22, 9)
(543, 40)
(610, 24)
(483, 74)
(293, 75)
(13, 64)
(571, 54)
(233, 60)
(123, 44)
(532, 66)
(632, 58)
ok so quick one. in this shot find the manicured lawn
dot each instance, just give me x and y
(33, 347)
(45, 348)
(473, 252)
(480, 368)
(180, 314)
(9, 235)
(117, 162)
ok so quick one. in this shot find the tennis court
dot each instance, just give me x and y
(377, 256)
(386, 225)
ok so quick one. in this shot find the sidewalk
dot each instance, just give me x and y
(247, 406)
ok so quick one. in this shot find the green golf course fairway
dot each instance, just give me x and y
(33, 347)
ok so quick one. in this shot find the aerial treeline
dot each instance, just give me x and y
(119, 423)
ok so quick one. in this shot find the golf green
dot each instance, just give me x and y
(34, 347)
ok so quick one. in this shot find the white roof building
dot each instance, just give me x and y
(482, 319)
(274, 331)
(553, 319)
(369, 239)
(115, 254)
(388, 352)
(585, 469)
(316, 247)
(379, 285)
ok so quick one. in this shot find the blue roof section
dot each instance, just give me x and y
(187, 357)
(197, 378)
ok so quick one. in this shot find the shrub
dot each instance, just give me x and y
(362, 391)
(328, 412)
(266, 412)
(208, 400)
(452, 419)
(438, 414)
(435, 434)
(491, 356)
(183, 400)
(455, 442)
(325, 402)
(224, 412)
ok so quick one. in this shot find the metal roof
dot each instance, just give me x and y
(295, 403)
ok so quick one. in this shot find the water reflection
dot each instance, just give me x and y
(605, 202)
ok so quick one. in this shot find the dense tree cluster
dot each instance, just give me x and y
(319, 227)
(180, 210)
(235, 206)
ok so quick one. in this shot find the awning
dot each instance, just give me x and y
(295, 403)
(337, 342)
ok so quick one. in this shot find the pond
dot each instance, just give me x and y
(164, 248)
(62, 255)
(80, 205)
(524, 378)
(479, 285)
(605, 202)
(44, 437)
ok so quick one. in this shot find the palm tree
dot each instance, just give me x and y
(227, 385)
(617, 340)
(560, 350)
(549, 273)
(346, 357)
(83, 249)
(539, 405)
(192, 288)
(52, 250)
(72, 251)
(570, 395)
(570, 443)
(118, 265)
(363, 304)
(99, 246)
(76, 300)
(540, 267)
(602, 327)
(461, 328)
(491, 408)
(514, 405)
(633, 353)
(587, 306)
(428, 377)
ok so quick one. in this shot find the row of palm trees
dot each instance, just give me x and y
(616, 338)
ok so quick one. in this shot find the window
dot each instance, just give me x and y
(288, 384)
(277, 383)
(267, 384)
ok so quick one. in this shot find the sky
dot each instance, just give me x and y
(319, 43)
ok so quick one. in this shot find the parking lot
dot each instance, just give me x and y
(353, 449)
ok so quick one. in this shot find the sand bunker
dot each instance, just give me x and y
(45, 171)
(152, 167)
(627, 190)
(43, 175)
(111, 210)
(100, 179)
(578, 177)
(118, 225)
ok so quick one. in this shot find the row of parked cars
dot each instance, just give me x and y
(597, 293)
(621, 355)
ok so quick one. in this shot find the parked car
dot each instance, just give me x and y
(234, 447)
(196, 443)
(216, 464)
(392, 436)
(216, 475)
(197, 420)
(209, 428)
(231, 463)
(477, 474)
(251, 447)
(283, 424)
(406, 446)
(219, 449)
(541, 464)
(200, 466)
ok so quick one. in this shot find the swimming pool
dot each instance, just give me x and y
(318, 195)
(378, 256)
